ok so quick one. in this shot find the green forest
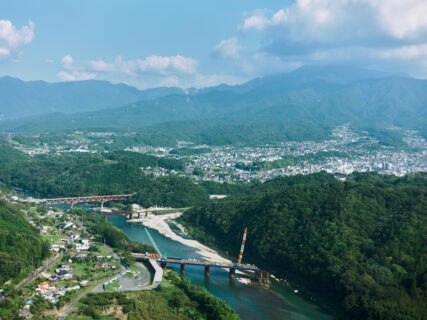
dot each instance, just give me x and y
(21, 246)
(105, 232)
(361, 244)
(75, 174)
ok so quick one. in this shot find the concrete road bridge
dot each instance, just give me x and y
(260, 275)
(130, 214)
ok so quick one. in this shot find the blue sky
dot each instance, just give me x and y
(203, 43)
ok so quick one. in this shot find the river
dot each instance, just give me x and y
(250, 301)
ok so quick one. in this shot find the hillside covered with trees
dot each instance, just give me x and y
(21, 246)
(359, 243)
(93, 174)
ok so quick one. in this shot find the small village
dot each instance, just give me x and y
(78, 262)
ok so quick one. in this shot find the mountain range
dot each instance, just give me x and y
(309, 97)
(20, 99)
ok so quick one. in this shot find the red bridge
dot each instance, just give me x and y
(74, 200)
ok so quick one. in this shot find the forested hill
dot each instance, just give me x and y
(93, 174)
(21, 246)
(360, 243)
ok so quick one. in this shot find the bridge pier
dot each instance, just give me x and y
(232, 273)
(258, 276)
(207, 272)
(183, 269)
(265, 276)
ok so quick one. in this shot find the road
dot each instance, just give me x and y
(126, 284)
(138, 283)
(98, 288)
(37, 272)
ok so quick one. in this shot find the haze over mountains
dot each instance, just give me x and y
(310, 97)
(20, 99)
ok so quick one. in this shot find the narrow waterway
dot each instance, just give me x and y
(250, 301)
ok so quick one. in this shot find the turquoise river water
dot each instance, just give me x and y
(250, 301)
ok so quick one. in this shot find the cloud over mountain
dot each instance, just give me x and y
(373, 32)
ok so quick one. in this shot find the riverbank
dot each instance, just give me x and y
(158, 222)
(251, 301)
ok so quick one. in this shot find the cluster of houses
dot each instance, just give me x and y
(49, 291)
(55, 214)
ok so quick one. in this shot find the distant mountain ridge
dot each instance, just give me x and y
(309, 98)
(19, 99)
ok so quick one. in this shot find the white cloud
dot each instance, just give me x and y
(12, 38)
(410, 52)
(167, 65)
(367, 32)
(4, 52)
(228, 48)
(259, 21)
(75, 75)
(67, 62)
(315, 20)
(402, 19)
(99, 65)
(162, 70)
(160, 65)
(49, 60)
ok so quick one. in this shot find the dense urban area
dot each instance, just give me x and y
(347, 151)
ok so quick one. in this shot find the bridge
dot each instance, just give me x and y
(130, 215)
(126, 213)
(74, 200)
(260, 275)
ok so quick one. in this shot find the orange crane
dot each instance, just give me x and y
(242, 248)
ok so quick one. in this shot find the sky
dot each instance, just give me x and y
(193, 43)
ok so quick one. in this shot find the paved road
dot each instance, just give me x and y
(98, 288)
(137, 283)
(126, 284)
(36, 273)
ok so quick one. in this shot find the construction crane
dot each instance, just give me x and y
(153, 242)
(242, 248)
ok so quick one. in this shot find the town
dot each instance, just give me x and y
(346, 152)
